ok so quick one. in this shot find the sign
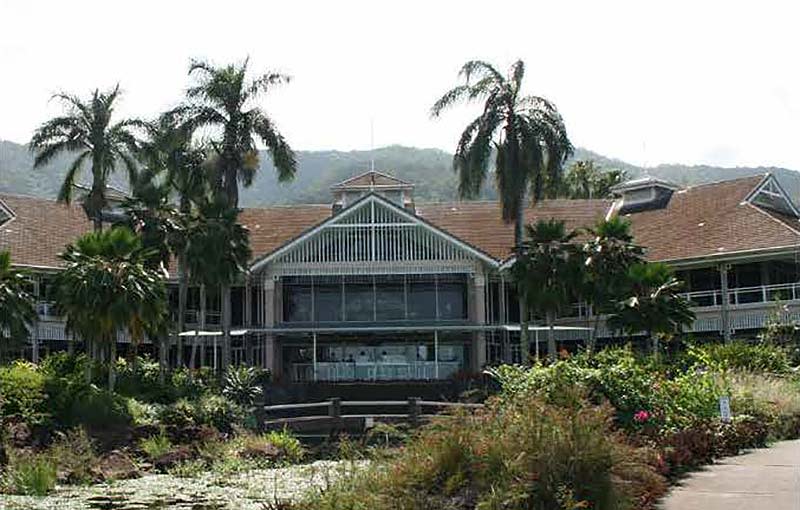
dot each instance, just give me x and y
(725, 409)
(369, 422)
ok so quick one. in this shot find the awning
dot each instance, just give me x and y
(388, 329)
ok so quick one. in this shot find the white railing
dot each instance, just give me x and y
(745, 295)
(375, 371)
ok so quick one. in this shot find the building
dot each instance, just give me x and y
(374, 286)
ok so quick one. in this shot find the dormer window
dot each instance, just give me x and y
(391, 188)
(770, 195)
(643, 194)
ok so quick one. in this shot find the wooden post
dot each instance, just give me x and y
(725, 304)
(335, 413)
(413, 411)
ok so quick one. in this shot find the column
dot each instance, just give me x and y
(725, 305)
(247, 340)
(478, 316)
(271, 361)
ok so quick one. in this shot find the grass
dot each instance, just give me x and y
(31, 475)
(155, 446)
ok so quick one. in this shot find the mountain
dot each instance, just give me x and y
(429, 169)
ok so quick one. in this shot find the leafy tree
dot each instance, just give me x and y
(109, 285)
(17, 311)
(527, 135)
(609, 255)
(86, 129)
(217, 252)
(224, 99)
(584, 179)
(549, 273)
(654, 305)
(173, 168)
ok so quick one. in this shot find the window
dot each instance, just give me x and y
(452, 295)
(359, 299)
(421, 297)
(328, 299)
(297, 301)
(390, 298)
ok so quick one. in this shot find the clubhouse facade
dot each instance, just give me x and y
(377, 287)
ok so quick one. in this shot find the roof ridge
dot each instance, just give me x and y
(723, 181)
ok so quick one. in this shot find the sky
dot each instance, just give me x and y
(649, 82)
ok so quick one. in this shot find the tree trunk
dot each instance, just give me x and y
(653, 344)
(551, 335)
(183, 290)
(112, 364)
(524, 337)
(226, 328)
(590, 347)
(162, 358)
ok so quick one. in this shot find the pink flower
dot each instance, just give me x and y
(641, 416)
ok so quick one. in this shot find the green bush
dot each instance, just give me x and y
(74, 454)
(30, 474)
(243, 385)
(739, 356)
(155, 446)
(22, 385)
(517, 453)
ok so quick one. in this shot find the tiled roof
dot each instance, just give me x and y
(701, 221)
(40, 229)
(481, 223)
(712, 219)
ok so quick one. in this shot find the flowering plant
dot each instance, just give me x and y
(641, 416)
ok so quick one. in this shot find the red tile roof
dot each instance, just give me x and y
(40, 229)
(701, 221)
(372, 178)
(712, 219)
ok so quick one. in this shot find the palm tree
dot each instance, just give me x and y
(527, 134)
(108, 285)
(217, 253)
(87, 131)
(17, 311)
(609, 255)
(224, 99)
(549, 273)
(653, 304)
(173, 168)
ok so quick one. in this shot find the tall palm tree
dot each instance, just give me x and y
(217, 253)
(526, 133)
(175, 168)
(225, 99)
(549, 273)
(609, 255)
(653, 305)
(17, 311)
(86, 130)
(108, 285)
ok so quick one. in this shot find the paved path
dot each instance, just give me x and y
(767, 479)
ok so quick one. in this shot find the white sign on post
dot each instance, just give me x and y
(725, 409)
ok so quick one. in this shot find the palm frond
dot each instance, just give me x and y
(65, 193)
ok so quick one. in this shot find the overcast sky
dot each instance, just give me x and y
(648, 82)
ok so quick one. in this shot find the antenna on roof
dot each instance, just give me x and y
(371, 144)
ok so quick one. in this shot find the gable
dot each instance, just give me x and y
(373, 235)
(771, 195)
(6, 214)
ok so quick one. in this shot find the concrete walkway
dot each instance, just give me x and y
(767, 479)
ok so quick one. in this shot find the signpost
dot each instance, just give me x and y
(725, 409)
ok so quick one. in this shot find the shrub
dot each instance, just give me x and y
(30, 474)
(739, 356)
(243, 385)
(22, 385)
(155, 446)
(140, 380)
(517, 453)
(74, 454)
(180, 414)
(89, 406)
(143, 413)
(217, 411)
(773, 399)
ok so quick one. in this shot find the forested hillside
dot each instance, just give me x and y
(429, 169)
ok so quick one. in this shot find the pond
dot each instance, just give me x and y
(248, 490)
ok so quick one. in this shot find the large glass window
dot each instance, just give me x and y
(421, 297)
(390, 298)
(359, 299)
(328, 299)
(297, 301)
(452, 295)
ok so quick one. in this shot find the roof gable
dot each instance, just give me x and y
(372, 179)
(769, 194)
(373, 229)
(6, 214)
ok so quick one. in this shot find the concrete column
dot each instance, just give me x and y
(478, 316)
(247, 339)
(725, 305)
(271, 353)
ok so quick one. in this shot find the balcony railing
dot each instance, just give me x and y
(745, 295)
